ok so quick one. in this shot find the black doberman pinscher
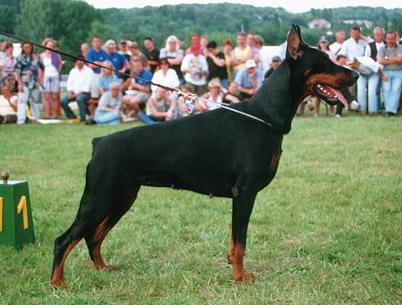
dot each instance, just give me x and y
(188, 154)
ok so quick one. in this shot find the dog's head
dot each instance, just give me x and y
(306, 71)
(321, 77)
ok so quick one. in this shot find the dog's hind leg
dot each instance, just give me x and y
(94, 238)
(242, 207)
(62, 248)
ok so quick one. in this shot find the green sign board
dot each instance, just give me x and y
(16, 225)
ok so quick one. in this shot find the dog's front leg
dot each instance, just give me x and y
(242, 207)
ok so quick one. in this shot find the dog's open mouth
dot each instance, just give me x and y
(330, 94)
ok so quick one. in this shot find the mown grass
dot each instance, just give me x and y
(326, 231)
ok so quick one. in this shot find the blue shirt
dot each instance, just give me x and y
(106, 81)
(144, 78)
(94, 55)
(243, 80)
(117, 60)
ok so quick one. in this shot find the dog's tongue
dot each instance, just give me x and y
(340, 96)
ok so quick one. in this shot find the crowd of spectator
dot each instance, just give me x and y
(120, 89)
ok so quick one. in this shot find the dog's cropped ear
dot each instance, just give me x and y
(295, 43)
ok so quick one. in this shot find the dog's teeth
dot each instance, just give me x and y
(319, 86)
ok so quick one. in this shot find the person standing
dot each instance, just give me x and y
(354, 47)
(195, 70)
(96, 55)
(390, 56)
(51, 83)
(241, 53)
(174, 55)
(216, 64)
(337, 45)
(29, 74)
(371, 81)
(151, 53)
(195, 40)
(9, 61)
(119, 62)
(84, 49)
(323, 45)
(227, 51)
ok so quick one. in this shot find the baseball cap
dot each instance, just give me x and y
(323, 39)
(276, 58)
(110, 43)
(250, 64)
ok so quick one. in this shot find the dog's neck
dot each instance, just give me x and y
(276, 102)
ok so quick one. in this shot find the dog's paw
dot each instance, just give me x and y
(58, 283)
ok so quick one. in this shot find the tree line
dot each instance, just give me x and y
(72, 22)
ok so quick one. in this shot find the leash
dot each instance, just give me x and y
(190, 98)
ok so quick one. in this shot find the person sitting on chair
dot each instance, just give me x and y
(109, 110)
(138, 88)
(249, 79)
(78, 89)
(161, 106)
(8, 103)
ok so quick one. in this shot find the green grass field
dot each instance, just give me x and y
(327, 230)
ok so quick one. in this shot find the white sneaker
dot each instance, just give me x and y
(353, 105)
(337, 116)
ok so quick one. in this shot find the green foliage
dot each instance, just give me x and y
(100, 29)
(8, 15)
(13, 3)
(72, 22)
(66, 21)
(327, 230)
(270, 23)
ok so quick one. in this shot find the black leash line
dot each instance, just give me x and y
(193, 97)
(84, 60)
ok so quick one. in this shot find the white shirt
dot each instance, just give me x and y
(169, 80)
(213, 104)
(79, 80)
(195, 64)
(5, 107)
(50, 69)
(351, 48)
(335, 47)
